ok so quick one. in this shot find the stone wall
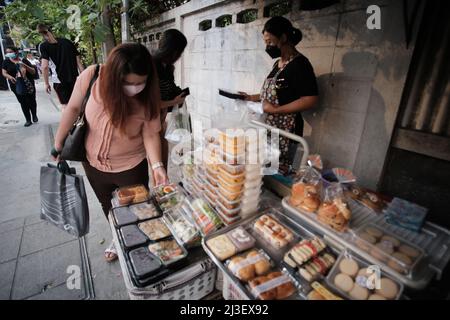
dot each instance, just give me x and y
(361, 72)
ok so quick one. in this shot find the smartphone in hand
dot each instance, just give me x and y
(185, 92)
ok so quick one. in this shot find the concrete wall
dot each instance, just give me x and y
(361, 73)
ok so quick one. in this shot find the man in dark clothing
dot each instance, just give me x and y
(67, 59)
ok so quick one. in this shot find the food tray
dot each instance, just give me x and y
(171, 201)
(275, 255)
(125, 215)
(131, 198)
(361, 264)
(182, 227)
(387, 257)
(163, 192)
(230, 196)
(232, 169)
(432, 239)
(204, 216)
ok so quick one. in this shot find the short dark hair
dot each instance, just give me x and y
(279, 26)
(172, 42)
(43, 27)
(12, 48)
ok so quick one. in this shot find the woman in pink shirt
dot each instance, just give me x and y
(123, 120)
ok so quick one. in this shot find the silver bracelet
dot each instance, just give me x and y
(157, 165)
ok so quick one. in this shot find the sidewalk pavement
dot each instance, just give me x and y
(34, 255)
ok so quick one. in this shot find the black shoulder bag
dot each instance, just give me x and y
(74, 148)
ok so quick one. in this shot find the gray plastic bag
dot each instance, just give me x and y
(63, 199)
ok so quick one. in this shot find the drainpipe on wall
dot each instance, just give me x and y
(125, 22)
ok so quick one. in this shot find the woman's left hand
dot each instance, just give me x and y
(269, 107)
(160, 176)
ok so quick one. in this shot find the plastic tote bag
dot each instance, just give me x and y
(178, 127)
(63, 199)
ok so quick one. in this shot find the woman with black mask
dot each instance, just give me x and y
(290, 87)
(171, 47)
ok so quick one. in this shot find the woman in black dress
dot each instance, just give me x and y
(290, 87)
(11, 67)
(171, 47)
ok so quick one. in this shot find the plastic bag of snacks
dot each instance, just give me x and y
(306, 190)
(334, 211)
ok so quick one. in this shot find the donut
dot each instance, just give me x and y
(349, 267)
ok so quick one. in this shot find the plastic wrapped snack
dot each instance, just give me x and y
(182, 227)
(250, 265)
(306, 190)
(171, 202)
(222, 247)
(273, 231)
(205, 218)
(241, 239)
(304, 251)
(317, 266)
(144, 210)
(334, 211)
(275, 286)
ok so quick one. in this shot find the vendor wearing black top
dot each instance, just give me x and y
(290, 87)
(171, 47)
(10, 70)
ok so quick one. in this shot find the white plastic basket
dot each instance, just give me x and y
(231, 291)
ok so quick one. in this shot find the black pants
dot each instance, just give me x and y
(28, 104)
(104, 183)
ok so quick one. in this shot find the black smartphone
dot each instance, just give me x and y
(185, 92)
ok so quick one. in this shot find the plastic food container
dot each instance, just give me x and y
(362, 284)
(389, 249)
(123, 216)
(212, 181)
(230, 213)
(204, 216)
(248, 210)
(226, 220)
(198, 184)
(181, 227)
(251, 169)
(253, 200)
(275, 286)
(275, 233)
(144, 263)
(231, 158)
(231, 178)
(233, 149)
(231, 187)
(232, 136)
(212, 173)
(155, 229)
(251, 192)
(144, 210)
(253, 184)
(232, 169)
(131, 194)
(162, 192)
(208, 186)
(230, 205)
(230, 196)
(248, 259)
(169, 203)
(169, 251)
(210, 198)
(132, 236)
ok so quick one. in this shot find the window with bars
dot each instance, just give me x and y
(223, 21)
(247, 16)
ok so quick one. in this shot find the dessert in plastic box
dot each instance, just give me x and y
(212, 173)
(253, 184)
(396, 253)
(212, 189)
(317, 266)
(241, 239)
(305, 194)
(144, 263)
(205, 218)
(304, 251)
(230, 195)
(233, 149)
(275, 286)
(230, 205)
(230, 136)
(235, 187)
(132, 236)
(222, 247)
(169, 251)
(232, 159)
(132, 194)
(144, 211)
(232, 169)
(171, 202)
(334, 211)
(227, 220)
(163, 191)
(180, 225)
(155, 229)
(251, 193)
(123, 216)
(249, 265)
(211, 180)
(231, 178)
(230, 213)
(353, 278)
(273, 231)
(248, 210)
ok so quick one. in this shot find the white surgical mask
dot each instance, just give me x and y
(132, 90)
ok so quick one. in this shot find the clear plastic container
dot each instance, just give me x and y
(228, 204)
(164, 191)
(254, 174)
(171, 202)
(248, 210)
(231, 158)
(169, 251)
(197, 183)
(231, 178)
(226, 220)
(131, 194)
(264, 289)
(212, 199)
(230, 196)
(389, 249)
(205, 217)
(232, 136)
(212, 173)
(273, 231)
(145, 210)
(253, 184)
(181, 227)
(251, 192)
(366, 277)
(253, 199)
(231, 187)
(211, 180)
(229, 213)
(232, 169)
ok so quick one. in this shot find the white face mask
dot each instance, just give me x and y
(132, 90)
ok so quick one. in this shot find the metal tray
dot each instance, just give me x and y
(275, 255)
(433, 240)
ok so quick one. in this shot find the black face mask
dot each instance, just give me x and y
(273, 51)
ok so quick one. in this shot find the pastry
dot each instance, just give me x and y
(376, 297)
(359, 293)
(262, 266)
(335, 214)
(244, 272)
(256, 283)
(286, 288)
(319, 265)
(409, 251)
(374, 232)
(305, 197)
(272, 231)
(315, 296)
(365, 241)
(343, 282)
(382, 251)
(304, 251)
(395, 242)
(388, 289)
(400, 262)
(168, 251)
(230, 188)
(241, 239)
(222, 247)
(349, 267)
(154, 229)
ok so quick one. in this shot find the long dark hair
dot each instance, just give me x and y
(123, 60)
(171, 46)
(279, 26)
